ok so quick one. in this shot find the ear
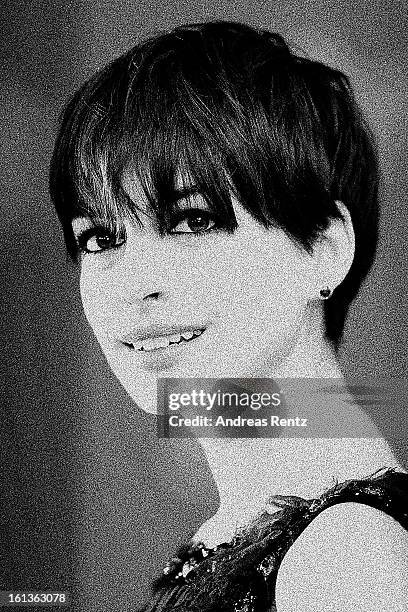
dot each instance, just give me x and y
(333, 252)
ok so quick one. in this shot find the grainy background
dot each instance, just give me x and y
(91, 501)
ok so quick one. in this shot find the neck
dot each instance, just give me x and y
(247, 471)
(312, 355)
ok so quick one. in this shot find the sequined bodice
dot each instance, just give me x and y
(240, 576)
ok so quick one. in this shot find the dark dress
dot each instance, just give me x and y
(240, 576)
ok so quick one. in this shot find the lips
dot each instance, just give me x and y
(162, 340)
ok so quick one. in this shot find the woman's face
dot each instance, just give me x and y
(198, 302)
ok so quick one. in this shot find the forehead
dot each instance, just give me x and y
(141, 200)
(132, 185)
(184, 192)
(138, 200)
(184, 189)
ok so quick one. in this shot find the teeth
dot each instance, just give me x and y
(151, 344)
(154, 343)
(174, 338)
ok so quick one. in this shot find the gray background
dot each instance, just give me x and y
(91, 501)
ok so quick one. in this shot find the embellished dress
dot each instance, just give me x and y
(240, 576)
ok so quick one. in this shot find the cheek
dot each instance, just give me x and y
(262, 294)
(95, 300)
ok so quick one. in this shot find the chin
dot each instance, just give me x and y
(146, 400)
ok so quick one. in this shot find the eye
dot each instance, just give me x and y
(96, 240)
(193, 221)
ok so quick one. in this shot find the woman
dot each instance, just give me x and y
(220, 195)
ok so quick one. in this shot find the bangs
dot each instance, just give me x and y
(146, 131)
(178, 118)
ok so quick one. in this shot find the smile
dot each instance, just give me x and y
(162, 342)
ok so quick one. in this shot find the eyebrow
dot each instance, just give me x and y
(80, 222)
(182, 193)
(83, 220)
(86, 218)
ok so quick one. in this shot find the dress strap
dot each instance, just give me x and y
(240, 576)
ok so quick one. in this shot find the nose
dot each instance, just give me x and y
(142, 275)
(150, 299)
(146, 301)
(144, 291)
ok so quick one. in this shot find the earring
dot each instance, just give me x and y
(325, 293)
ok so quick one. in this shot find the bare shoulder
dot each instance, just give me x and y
(351, 558)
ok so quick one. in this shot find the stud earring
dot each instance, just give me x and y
(325, 293)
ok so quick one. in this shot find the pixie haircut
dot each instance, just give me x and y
(237, 111)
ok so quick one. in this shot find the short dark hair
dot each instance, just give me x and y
(241, 113)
